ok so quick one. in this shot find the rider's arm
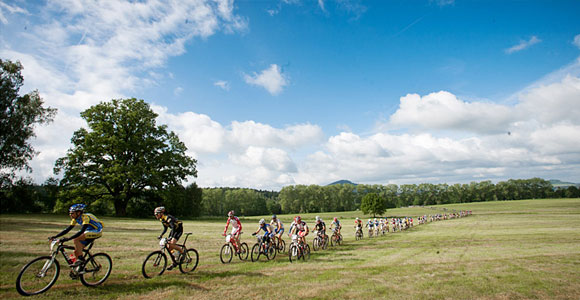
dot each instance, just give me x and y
(164, 231)
(228, 224)
(79, 233)
(65, 231)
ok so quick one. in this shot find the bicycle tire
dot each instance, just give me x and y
(271, 252)
(281, 246)
(316, 244)
(43, 287)
(256, 251)
(226, 254)
(306, 254)
(158, 260)
(244, 252)
(93, 266)
(189, 261)
(294, 253)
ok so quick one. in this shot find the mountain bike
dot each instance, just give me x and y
(230, 248)
(279, 243)
(358, 235)
(336, 238)
(263, 248)
(320, 241)
(41, 273)
(298, 250)
(371, 232)
(156, 262)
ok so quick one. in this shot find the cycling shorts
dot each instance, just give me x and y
(91, 235)
(235, 231)
(302, 233)
(279, 231)
(177, 233)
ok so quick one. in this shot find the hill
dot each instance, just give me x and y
(342, 182)
(559, 183)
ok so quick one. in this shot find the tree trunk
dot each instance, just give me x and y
(120, 208)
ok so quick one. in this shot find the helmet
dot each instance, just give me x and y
(317, 218)
(375, 219)
(335, 219)
(77, 207)
(357, 219)
(262, 221)
(159, 210)
(369, 220)
(231, 213)
(273, 216)
(298, 219)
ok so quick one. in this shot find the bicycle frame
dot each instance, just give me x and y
(165, 247)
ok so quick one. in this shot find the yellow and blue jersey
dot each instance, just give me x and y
(88, 219)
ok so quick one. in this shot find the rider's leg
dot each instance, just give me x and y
(79, 246)
(173, 246)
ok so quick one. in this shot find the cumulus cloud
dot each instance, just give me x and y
(271, 79)
(523, 45)
(444, 111)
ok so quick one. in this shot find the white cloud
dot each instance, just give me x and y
(178, 91)
(523, 45)
(273, 159)
(271, 79)
(224, 85)
(576, 41)
(11, 9)
(250, 133)
(321, 5)
(444, 111)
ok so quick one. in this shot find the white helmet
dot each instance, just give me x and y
(262, 221)
(317, 218)
(369, 220)
(357, 219)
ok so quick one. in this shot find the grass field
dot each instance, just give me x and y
(506, 250)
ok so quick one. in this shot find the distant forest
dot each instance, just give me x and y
(191, 201)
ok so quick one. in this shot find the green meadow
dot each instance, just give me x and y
(526, 249)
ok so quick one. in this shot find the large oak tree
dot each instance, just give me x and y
(19, 114)
(123, 153)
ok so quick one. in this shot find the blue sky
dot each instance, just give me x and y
(271, 93)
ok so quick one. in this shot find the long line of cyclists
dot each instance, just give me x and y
(41, 273)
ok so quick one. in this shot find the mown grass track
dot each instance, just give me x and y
(506, 250)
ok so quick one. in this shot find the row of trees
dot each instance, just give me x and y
(192, 201)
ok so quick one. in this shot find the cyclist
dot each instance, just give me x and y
(320, 228)
(236, 229)
(300, 228)
(176, 226)
(268, 231)
(377, 229)
(370, 224)
(358, 225)
(337, 226)
(91, 230)
(278, 226)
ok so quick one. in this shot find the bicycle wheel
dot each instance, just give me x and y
(306, 255)
(226, 254)
(339, 240)
(333, 241)
(315, 244)
(293, 253)
(244, 251)
(189, 261)
(154, 264)
(325, 243)
(37, 276)
(96, 270)
(281, 246)
(271, 252)
(256, 252)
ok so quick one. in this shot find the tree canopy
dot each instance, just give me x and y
(371, 203)
(18, 117)
(123, 154)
